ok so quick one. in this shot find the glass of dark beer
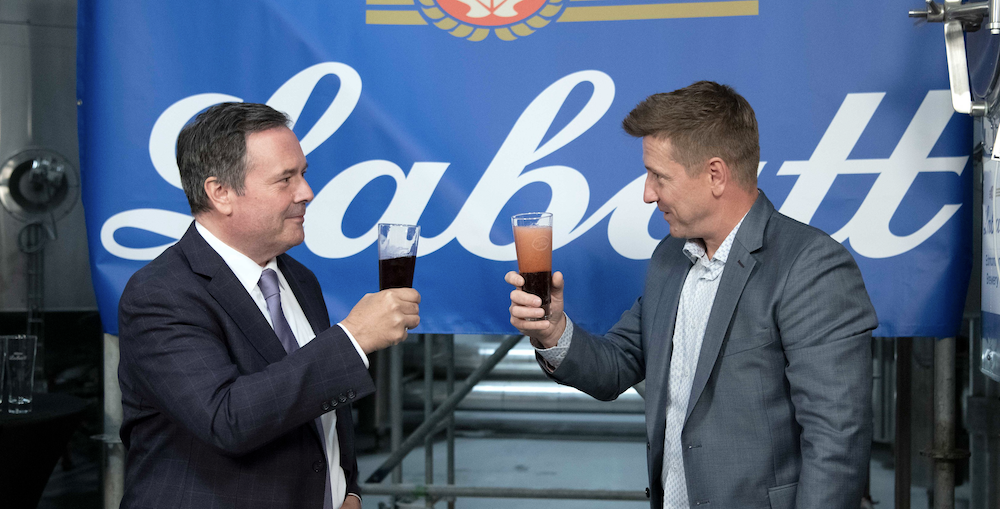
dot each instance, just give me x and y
(533, 243)
(397, 254)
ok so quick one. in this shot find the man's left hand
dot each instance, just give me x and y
(351, 502)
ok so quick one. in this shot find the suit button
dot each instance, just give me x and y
(326, 407)
(647, 446)
(318, 466)
(647, 492)
(351, 394)
(342, 398)
(333, 404)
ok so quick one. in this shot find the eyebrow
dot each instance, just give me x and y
(654, 172)
(292, 171)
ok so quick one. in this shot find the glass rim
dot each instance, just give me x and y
(530, 215)
(400, 224)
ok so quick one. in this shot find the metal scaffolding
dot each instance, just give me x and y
(442, 419)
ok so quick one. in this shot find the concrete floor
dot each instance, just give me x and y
(514, 462)
(530, 463)
(578, 464)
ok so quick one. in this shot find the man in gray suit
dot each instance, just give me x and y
(753, 331)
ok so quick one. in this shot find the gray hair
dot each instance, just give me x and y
(214, 145)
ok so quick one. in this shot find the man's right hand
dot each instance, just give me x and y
(523, 305)
(380, 320)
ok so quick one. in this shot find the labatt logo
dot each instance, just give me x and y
(491, 12)
(475, 20)
(527, 143)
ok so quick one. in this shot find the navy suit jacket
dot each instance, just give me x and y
(216, 415)
(780, 414)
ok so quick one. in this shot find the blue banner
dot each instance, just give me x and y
(456, 114)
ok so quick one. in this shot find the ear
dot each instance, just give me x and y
(219, 195)
(718, 173)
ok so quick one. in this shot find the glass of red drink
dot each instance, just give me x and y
(397, 254)
(533, 243)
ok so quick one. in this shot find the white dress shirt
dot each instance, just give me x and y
(697, 297)
(248, 273)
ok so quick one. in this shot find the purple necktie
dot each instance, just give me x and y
(269, 287)
(272, 295)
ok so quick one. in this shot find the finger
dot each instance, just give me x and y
(557, 280)
(411, 321)
(403, 294)
(408, 294)
(529, 325)
(524, 312)
(523, 298)
(514, 278)
(408, 308)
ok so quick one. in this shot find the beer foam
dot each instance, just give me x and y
(534, 248)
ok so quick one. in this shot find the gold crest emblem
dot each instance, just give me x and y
(474, 20)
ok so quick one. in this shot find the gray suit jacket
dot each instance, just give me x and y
(780, 409)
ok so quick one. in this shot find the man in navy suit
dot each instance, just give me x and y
(236, 390)
(753, 332)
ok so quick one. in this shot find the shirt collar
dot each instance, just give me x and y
(246, 270)
(695, 251)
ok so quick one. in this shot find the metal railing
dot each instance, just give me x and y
(442, 419)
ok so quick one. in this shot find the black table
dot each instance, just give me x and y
(32, 443)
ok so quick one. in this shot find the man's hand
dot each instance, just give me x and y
(351, 502)
(523, 305)
(380, 320)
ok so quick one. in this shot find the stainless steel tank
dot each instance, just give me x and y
(38, 129)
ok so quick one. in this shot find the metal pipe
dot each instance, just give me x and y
(525, 396)
(438, 491)
(450, 389)
(944, 423)
(471, 351)
(396, 408)
(904, 352)
(113, 478)
(381, 391)
(994, 14)
(428, 410)
(397, 455)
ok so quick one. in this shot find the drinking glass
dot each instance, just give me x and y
(397, 254)
(20, 360)
(533, 243)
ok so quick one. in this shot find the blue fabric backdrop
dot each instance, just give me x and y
(406, 117)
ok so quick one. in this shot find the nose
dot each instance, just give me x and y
(304, 193)
(648, 193)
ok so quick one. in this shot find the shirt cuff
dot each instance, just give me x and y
(355, 495)
(364, 358)
(555, 355)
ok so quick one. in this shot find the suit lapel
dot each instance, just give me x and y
(308, 304)
(739, 266)
(308, 301)
(227, 290)
(661, 333)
